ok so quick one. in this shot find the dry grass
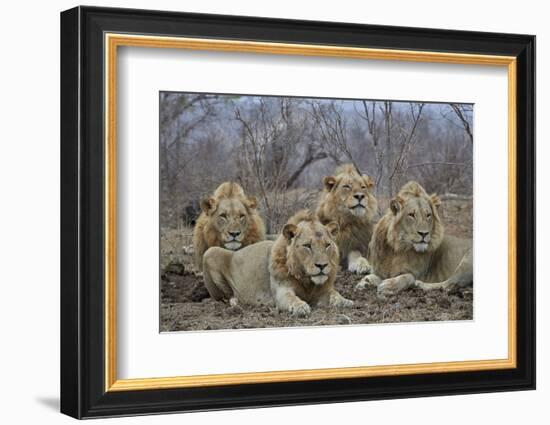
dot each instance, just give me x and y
(175, 245)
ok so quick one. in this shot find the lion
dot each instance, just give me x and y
(409, 247)
(293, 273)
(347, 199)
(228, 219)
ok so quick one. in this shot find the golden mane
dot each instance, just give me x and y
(386, 240)
(355, 232)
(412, 188)
(283, 262)
(205, 233)
(409, 248)
(302, 215)
(229, 190)
(346, 169)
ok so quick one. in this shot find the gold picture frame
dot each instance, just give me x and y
(114, 41)
(91, 40)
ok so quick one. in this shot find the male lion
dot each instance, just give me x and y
(409, 247)
(294, 272)
(228, 219)
(348, 200)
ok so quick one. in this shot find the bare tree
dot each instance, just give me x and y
(398, 129)
(280, 148)
(465, 115)
(407, 133)
(330, 119)
(273, 152)
(180, 115)
(375, 131)
(460, 115)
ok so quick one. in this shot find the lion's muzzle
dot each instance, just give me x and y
(233, 240)
(421, 246)
(320, 274)
(232, 245)
(358, 209)
(319, 279)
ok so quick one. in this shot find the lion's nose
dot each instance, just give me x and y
(423, 234)
(321, 266)
(359, 196)
(234, 234)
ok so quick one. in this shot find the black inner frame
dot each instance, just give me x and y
(82, 212)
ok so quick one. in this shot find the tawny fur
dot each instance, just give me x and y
(284, 273)
(206, 234)
(287, 266)
(355, 232)
(391, 253)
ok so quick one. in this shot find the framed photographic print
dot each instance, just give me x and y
(261, 212)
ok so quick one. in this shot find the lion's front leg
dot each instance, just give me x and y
(287, 300)
(358, 264)
(451, 285)
(395, 285)
(462, 277)
(216, 278)
(370, 280)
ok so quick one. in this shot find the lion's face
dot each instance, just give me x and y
(351, 193)
(416, 222)
(230, 217)
(311, 250)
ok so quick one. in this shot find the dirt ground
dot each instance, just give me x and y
(185, 304)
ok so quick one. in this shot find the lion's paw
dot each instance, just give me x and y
(451, 287)
(360, 266)
(340, 301)
(344, 302)
(391, 287)
(368, 281)
(300, 309)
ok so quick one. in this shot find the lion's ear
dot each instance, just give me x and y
(329, 182)
(396, 204)
(436, 201)
(251, 202)
(368, 181)
(333, 229)
(289, 231)
(208, 205)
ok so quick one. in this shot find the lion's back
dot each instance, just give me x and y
(250, 272)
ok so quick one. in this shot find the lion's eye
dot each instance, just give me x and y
(242, 216)
(327, 245)
(413, 215)
(223, 215)
(307, 245)
(363, 187)
(429, 215)
(346, 186)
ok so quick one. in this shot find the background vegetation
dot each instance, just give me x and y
(279, 148)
